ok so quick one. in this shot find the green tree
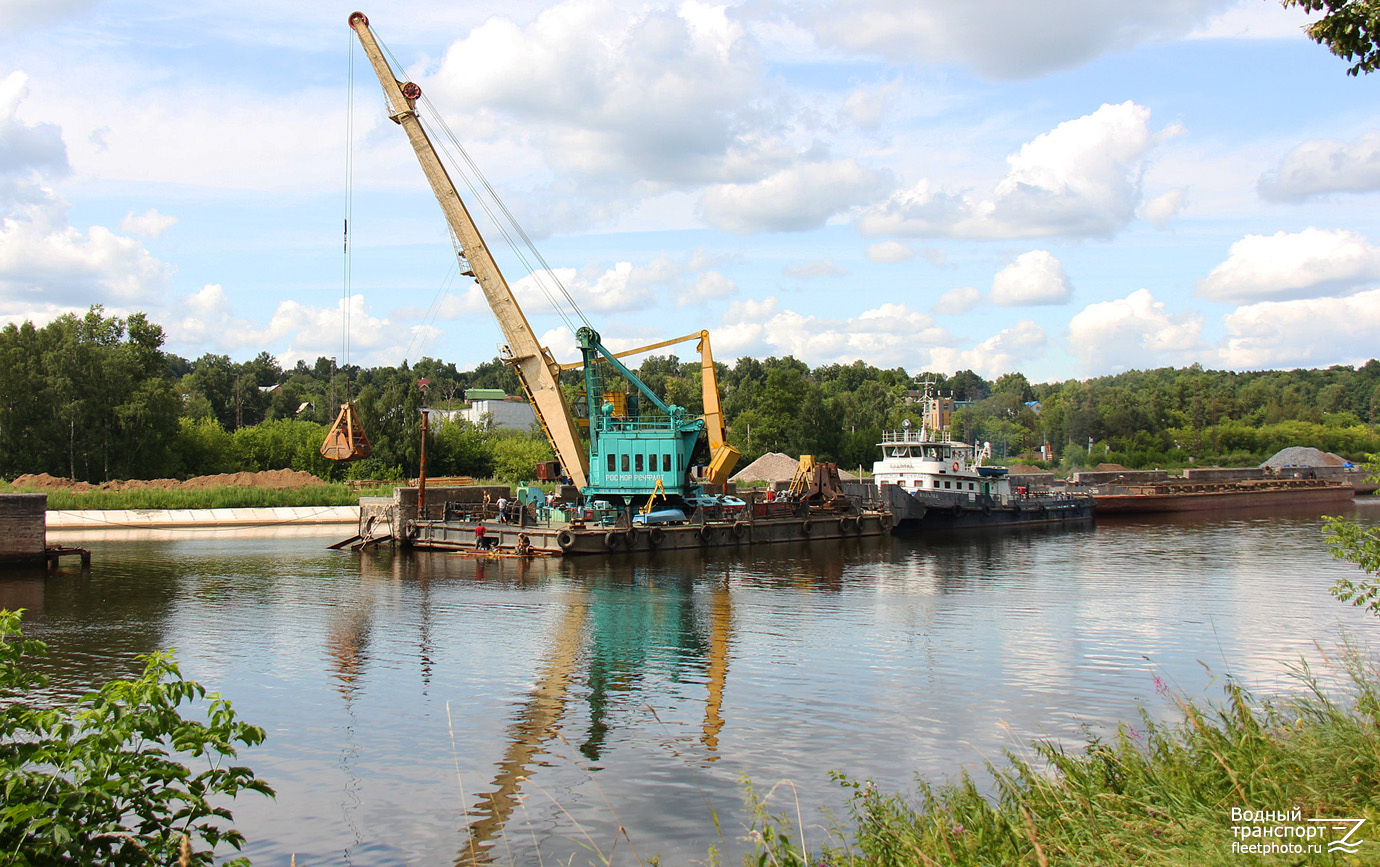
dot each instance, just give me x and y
(107, 780)
(1349, 28)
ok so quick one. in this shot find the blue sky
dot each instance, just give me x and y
(1065, 188)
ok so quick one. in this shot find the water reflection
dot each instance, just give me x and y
(435, 707)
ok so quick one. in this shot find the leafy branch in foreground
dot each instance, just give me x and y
(1360, 545)
(106, 780)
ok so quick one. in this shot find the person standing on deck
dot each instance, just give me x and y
(480, 543)
(503, 509)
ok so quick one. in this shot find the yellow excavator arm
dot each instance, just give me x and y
(533, 363)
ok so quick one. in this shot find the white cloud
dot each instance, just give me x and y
(890, 252)
(50, 264)
(149, 224)
(708, 286)
(889, 335)
(1035, 278)
(1303, 333)
(1080, 179)
(794, 199)
(1005, 38)
(867, 107)
(625, 287)
(665, 95)
(1004, 352)
(958, 301)
(1133, 332)
(1318, 167)
(23, 14)
(28, 152)
(1307, 264)
(210, 322)
(1251, 20)
(1163, 208)
(815, 270)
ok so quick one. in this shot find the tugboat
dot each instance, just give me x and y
(930, 482)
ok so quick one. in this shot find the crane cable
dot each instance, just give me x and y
(349, 213)
(474, 179)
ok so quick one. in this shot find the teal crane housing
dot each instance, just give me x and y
(639, 449)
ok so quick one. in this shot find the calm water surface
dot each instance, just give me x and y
(423, 706)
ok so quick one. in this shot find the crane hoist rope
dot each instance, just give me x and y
(346, 440)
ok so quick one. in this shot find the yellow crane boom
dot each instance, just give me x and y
(536, 369)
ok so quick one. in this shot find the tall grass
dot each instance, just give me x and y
(1150, 794)
(226, 497)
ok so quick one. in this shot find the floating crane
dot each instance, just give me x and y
(635, 447)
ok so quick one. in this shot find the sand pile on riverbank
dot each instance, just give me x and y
(284, 479)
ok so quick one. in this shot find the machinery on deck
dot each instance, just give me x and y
(637, 443)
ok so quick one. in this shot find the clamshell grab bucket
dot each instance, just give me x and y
(346, 440)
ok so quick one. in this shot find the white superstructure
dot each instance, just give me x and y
(939, 469)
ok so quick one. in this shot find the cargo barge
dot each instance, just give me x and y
(1188, 495)
(451, 518)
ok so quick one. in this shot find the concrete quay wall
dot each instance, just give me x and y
(142, 518)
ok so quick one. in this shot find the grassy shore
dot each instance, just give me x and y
(227, 497)
(1151, 794)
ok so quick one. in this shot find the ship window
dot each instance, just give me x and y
(613, 459)
(625, 463)
(936, 483)
(970, 487)
(946, 483)
(665, 463)
(637, 463)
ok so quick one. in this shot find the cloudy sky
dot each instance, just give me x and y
(1065, 188)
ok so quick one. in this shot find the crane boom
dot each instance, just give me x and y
(535, 367)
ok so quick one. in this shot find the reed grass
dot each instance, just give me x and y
(225, 497)
(1153, 793)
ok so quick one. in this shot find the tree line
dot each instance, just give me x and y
(96, 398)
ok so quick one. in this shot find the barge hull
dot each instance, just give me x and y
(1221, 500)
(958, 513)
(571, 540)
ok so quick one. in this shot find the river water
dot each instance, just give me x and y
(431, 708)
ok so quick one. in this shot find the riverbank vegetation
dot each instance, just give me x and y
(96, 398)
(224, 497)
(1245, 772)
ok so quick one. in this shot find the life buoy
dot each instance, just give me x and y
(955, 466)
(655, 536)
(805, 526)
(565, 539)
(611, 539)
(740, 529)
